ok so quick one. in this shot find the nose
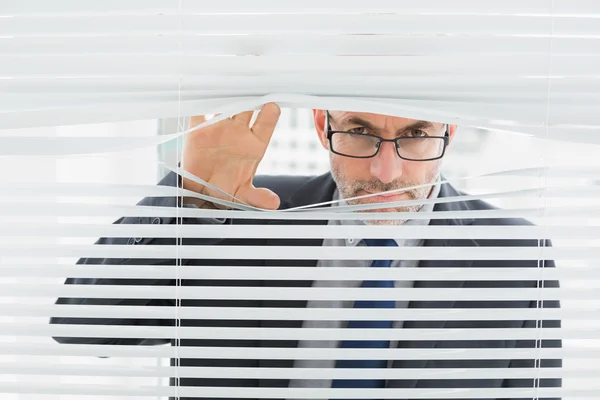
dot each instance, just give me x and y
(386, 165)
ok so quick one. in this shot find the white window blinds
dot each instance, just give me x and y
(106, 295)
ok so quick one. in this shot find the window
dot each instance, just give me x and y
(92, 102)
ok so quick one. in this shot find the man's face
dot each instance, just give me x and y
(386, 171)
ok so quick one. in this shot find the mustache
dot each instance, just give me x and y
(377, 186)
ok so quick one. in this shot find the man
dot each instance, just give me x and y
(369, 154)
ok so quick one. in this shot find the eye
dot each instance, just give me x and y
(360, 130)
(418, 133)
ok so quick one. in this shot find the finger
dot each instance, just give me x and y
(196, 120)
(200, 119)
(244, 117)
(261, 198)
(265, 123)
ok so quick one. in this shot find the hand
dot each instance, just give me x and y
(226, 155)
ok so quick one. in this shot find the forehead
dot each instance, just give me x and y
(378, 120)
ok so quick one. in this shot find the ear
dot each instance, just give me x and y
(451, 131)
(319, 117)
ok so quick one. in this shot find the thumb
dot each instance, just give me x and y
(262, 198)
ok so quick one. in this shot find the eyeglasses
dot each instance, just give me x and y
(411, 148)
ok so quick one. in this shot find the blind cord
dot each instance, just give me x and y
(544, 183)
(178, 263)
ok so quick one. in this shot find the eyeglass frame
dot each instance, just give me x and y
(396, 142)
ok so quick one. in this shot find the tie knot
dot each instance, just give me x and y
(381, 242)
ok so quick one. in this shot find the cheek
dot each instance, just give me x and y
(411, 170)
(353, 168)
(420, 171)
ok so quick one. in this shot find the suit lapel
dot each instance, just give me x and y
(445, 191)
(316, 190)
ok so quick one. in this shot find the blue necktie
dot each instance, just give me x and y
(370, 344)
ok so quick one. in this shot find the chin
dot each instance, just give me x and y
(385, 221)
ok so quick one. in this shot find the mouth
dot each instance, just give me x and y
(389, 197)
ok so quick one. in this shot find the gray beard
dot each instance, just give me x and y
(348, 189)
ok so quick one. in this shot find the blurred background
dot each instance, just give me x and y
(295, 149)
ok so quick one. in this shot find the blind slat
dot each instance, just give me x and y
(64, 230)
(292, 314)
(274, 353)
(274, 24)
(294, 44)
(252, 392)
(448, 334)
(418, 84)
(295, 293)
(95, 210)
(149, 7)
(454, 273)
(304, 373)
(65, 66)
(589, 252)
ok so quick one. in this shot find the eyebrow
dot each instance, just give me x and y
(355, 120)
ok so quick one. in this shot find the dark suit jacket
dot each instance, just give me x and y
(297, 191)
